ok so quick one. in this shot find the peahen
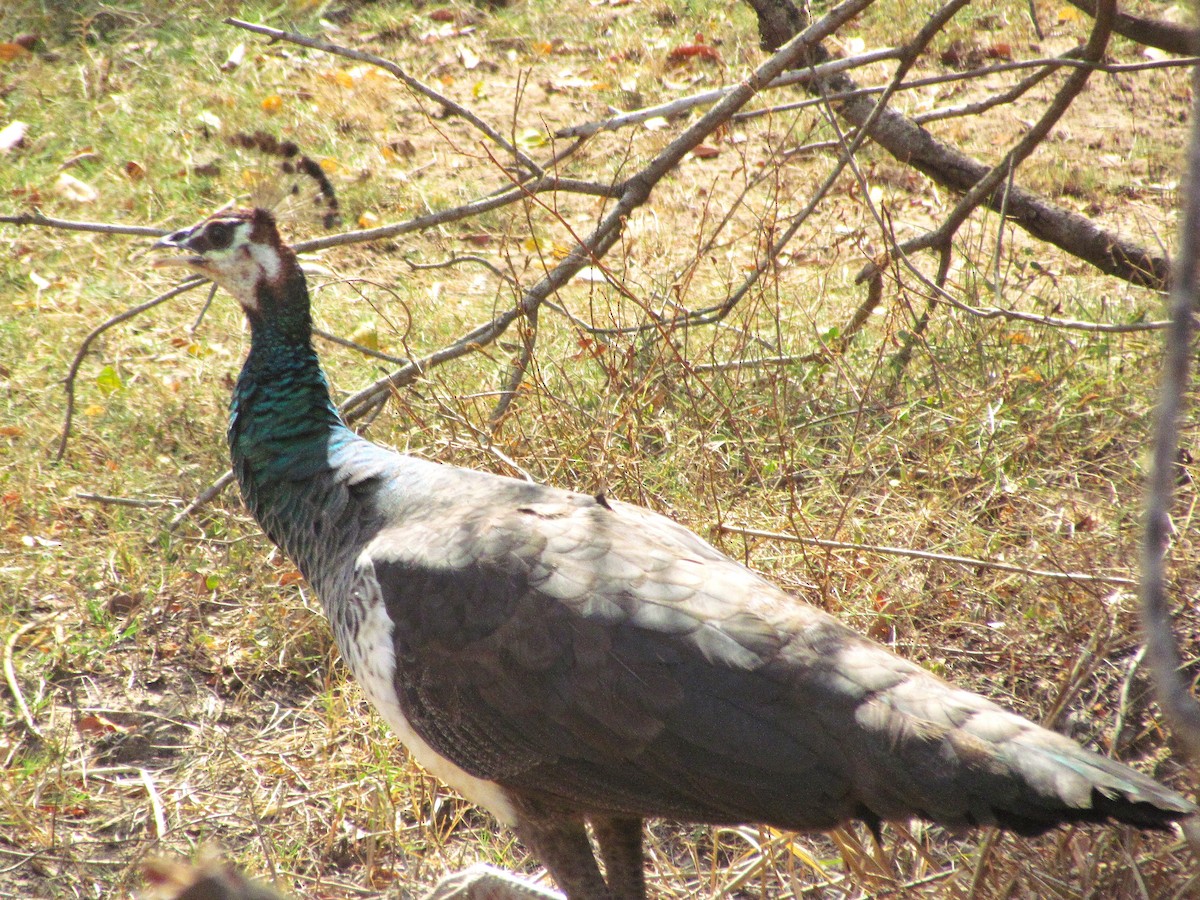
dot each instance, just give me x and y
(564, 659)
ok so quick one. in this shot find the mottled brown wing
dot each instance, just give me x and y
(599, 657)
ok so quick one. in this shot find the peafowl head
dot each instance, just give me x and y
(242, 252)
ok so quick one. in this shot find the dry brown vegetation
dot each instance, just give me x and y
(167, 687)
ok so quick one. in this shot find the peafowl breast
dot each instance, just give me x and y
(567, 660)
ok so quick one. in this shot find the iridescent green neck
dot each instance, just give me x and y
(283, 425)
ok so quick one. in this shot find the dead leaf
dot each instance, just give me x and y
(705, 151)
(134, 170)
(234, 59)
(12, 135)
(71, 188)
(366, 334)
(705, 52)
(469, 58)
(10, 50)
(209, 120)
(591, 275)
(97, 724)
(122, 604)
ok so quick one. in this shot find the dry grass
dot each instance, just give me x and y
(183, 687)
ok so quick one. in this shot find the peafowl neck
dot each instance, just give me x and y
(284, 432)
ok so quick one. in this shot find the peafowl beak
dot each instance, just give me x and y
(178, 240)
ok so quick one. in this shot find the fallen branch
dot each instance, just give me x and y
(971, 561)
(950, 168)
(1152, 32)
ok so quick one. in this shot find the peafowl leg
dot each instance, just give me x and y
(562, 845)
(620, 843)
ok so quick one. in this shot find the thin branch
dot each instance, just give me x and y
(106, 500)
(36, 218)
(735, 364)
(686, 104)
(979, 107)
(1172, 689)
(995, 312)
(391, 68)
(971, 561)
(465, 211)
(517, 373)
(1044, 65)
(359, 348)
(908, 57)
(10, 673)
(202, 498)
(73, 371)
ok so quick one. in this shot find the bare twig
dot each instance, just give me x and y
(986, 187)
(734, 364)
(1173, 691)
(1083, 577)
(156, 804)
(359, 348)
(202, 498)
(517, 371)
(36, 218)
(908, 56)
(465, 211)
(1044, 65)
(686, 104)
(73, 371)
(1125, 699)
(391, 68)
(125, 501)
(10, 673)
